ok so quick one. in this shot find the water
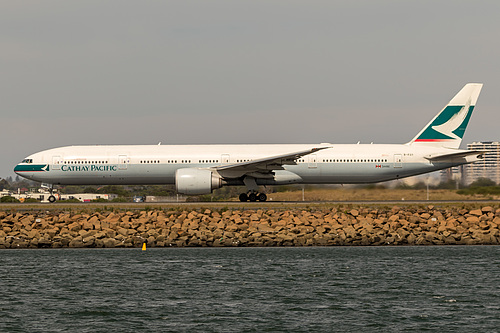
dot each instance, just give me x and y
(334, 289)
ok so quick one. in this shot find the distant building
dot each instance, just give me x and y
(455, 174)
(488, 167)
(43, 196)
(88, 197)
(174, 198)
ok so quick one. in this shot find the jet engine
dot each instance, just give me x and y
(196, 181)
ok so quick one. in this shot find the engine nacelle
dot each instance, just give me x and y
(196, 181)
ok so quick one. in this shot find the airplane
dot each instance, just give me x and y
(199, 169)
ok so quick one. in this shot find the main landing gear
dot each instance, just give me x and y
(252, 196)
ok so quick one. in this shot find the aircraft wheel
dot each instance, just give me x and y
(252, 197)
(52, 199)
(262, 197)
(243, 197)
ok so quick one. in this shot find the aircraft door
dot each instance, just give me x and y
(313, 161)
(123, 162)
(398, 160)
(56, 162)
(225, 158)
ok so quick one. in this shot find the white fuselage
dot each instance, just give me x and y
(157, 164)
(199, 169)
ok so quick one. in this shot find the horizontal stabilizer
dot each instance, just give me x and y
(460, 154)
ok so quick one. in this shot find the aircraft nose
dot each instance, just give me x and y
(17, 169)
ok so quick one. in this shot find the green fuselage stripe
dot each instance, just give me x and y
(31, 168)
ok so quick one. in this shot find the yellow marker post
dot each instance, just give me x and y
(144, 246)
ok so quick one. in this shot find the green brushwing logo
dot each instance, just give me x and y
(450, 124)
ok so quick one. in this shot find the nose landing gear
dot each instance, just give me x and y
(52, 198)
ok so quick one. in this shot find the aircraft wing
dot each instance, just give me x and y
(262, 167)
(449, 156)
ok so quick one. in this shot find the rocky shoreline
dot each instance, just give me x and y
(334, 226)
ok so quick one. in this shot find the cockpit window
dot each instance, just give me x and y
(27, 160)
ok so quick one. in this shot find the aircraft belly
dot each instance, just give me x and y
(358, 173)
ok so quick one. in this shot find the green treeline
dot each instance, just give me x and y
(482, 186)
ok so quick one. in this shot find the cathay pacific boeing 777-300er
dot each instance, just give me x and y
(199, 169)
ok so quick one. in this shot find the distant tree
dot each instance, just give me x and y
(114, 189)
(4, 184)
(374, 186)
(403, 186)
(482, 186)
(74, 200)
(25, 184)
(483, 182)
(119, 199)
(419, 185)
(90, 189)
(71, 189)
(8, 199)
(447, 185)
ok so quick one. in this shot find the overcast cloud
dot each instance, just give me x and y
(184, 72)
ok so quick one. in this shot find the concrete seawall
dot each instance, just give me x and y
(220, 227)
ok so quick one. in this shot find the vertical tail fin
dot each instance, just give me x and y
(448, 127)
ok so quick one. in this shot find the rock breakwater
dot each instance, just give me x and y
(289, 227)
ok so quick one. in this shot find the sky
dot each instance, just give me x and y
(246, 71)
